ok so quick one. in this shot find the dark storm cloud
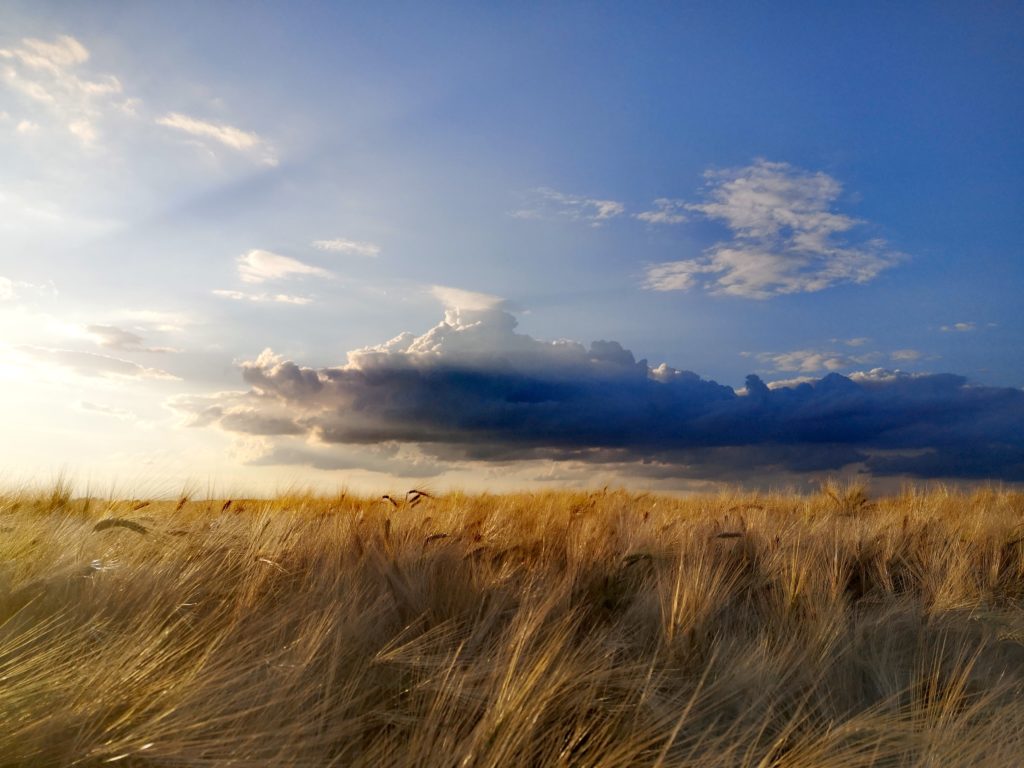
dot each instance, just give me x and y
(472, 389)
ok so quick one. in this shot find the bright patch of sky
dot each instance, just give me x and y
(789, 192)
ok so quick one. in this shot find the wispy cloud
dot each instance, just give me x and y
(814, 360)
(6, 289)
(92, 364)
(158, 320)
(52, 77)
(47, 73)
(112, 337)
(107, 410)
(220, 133)
(828, 360)
(258, 266)
(15, 289)
(276, 298)
(785, 237)
(960, 328)
(666, 211)
(343, 245)
(906, 355)
(547, 203)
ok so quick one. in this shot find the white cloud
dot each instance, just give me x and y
(92, 364)
(13, 289)
(906, 355)
(674, 275)
(960, 328)
(784, 237)
(814, 360)
(666, 211)
(159, 320)
(547, 203)
(107, 410)
(222, 133)
(84, 130)
(112, 337)
(278, 298)
(342, 245)
(258, 266)
(63, 53)
(459, 299)
(47, 73)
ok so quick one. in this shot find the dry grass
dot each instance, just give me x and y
(553, 629)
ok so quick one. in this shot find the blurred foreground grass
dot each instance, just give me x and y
(603, 629)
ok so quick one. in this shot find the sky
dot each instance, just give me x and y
(249, 247)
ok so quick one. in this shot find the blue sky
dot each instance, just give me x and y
(781, 191)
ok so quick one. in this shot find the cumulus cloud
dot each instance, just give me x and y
(785, 237)
(343, 245)
(49, 74)
(547, 203)
(960, 328)
(274, 298)
(472, 389)
(666, 211)
(259, 266)
(92, 364)
(220, 133)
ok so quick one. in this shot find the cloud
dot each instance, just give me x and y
(220, 133)
(960, 328)
(112, 337)
(818, 360)
(785, 237)
(547, 203)
(258, 266)
(47, 73)
(53, 78)
(813, 360)
(56, 57)
(906, 355)
(666, 211)
(471, 389)
(342, 245)
(15, 289)
(276, 298)
(159, 320)
(92, 364)
(107, 410)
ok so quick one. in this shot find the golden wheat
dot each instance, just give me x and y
(562, 629)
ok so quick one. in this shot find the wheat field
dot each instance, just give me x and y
(545, 629)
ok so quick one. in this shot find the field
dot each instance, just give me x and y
(562, 629)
